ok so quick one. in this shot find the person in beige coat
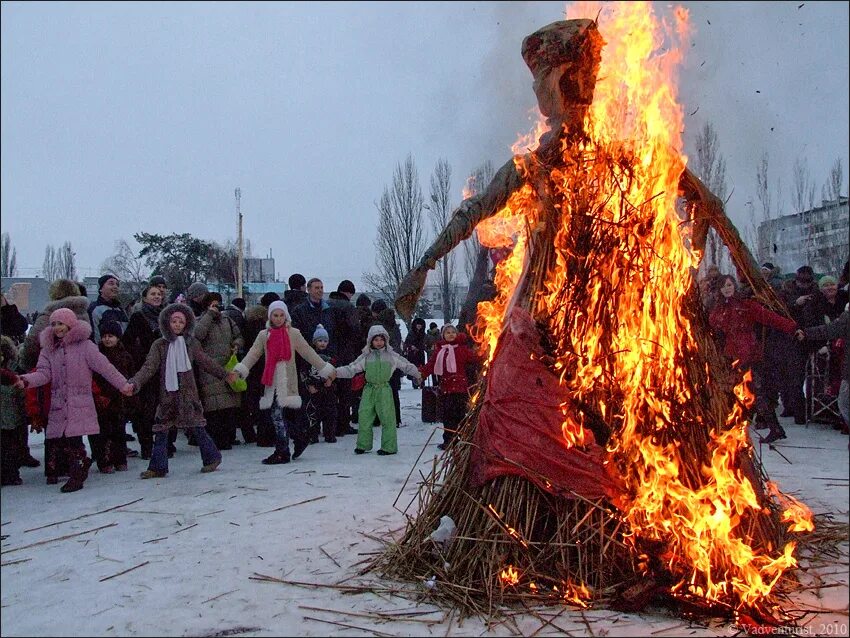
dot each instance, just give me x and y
(281, 401)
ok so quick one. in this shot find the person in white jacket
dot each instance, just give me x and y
(281, 401)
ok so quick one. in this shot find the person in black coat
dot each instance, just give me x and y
(415, 345)
(12, 323)
(344, 348)
(297, 293)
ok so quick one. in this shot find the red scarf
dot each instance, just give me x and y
(278, 348)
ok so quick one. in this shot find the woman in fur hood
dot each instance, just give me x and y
(279, 341)
(173, 357)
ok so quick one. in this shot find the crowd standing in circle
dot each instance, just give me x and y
(314, 366)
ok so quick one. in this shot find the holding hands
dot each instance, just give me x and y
(800, 335)
(232, 376)
(128, 390)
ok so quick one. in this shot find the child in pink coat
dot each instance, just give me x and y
(68, 358)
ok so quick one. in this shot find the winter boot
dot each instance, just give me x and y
(149, 474)
(276, 459)
(776, 433)
(211, 467)
(78, 472)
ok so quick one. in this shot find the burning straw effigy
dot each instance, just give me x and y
(606, 455)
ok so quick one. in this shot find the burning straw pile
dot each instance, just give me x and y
(606, 455)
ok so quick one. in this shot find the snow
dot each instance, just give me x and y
(200, 538)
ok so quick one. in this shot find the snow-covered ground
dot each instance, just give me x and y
(190, 544)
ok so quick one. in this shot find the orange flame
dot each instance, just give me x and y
(509, 576)
(635, 128)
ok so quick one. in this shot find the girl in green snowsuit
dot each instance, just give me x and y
(379, 361)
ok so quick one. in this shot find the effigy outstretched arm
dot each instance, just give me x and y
(708, 212)
(464, 219)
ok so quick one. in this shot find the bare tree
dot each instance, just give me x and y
(130, 269)
(475, 183)
(710, 167)
(440, 210)
(831, 190)
(767, 238)
(401, 239)
(66, 262)
(8, 257)
(803, 201)
(802, 187)
(50, 265)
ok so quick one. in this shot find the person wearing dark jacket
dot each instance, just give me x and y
(414, 345)
(363, 310)
(255, 428)
(314, 311)
(107, 306)
(345, 348)
(800, 295)
(235, 311)
(297, 293)
(108, 446)
(196, 294)
(838, 329)
(142, 331)
(735, 319)
(12, 323)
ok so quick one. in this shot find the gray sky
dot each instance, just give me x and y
(129, 117)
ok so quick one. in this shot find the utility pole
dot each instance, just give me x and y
(239, 262)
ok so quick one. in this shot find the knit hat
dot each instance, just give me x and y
(157, 280)
(64, 315)
(827, 280)
(363, 302)
(238, 302)
(196, 290)
(296, 280)
(110, 327)
(103, 279)
(321, 333)
(279, 305)
(267, 299)
(378, 306)
(346, 286)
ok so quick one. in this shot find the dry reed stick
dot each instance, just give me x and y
(59, 538)
(32, 529)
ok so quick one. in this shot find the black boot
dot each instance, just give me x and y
(276, 459)
(776, 433)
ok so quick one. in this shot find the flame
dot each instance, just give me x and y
(625, 351)
(794, 512)
(509, 576)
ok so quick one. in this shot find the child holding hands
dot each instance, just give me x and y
(279, 341)
(378, 361)
(67, 359)
(173, 357)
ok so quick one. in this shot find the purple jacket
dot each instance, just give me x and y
(67, 366)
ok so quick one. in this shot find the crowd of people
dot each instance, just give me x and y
(779, 350)
(289, 372)
(283, 372)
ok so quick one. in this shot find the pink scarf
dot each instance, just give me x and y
(278, 348)
(446, 361)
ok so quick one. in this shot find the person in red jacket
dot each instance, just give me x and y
(736, 319)
(448, 361)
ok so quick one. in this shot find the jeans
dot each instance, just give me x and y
(159, 457)
(287, 423)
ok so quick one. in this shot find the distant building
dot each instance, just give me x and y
(259, 269)
(434, 294)
(819, 237)
(29, 294)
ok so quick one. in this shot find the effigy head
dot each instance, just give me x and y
(564, 59)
